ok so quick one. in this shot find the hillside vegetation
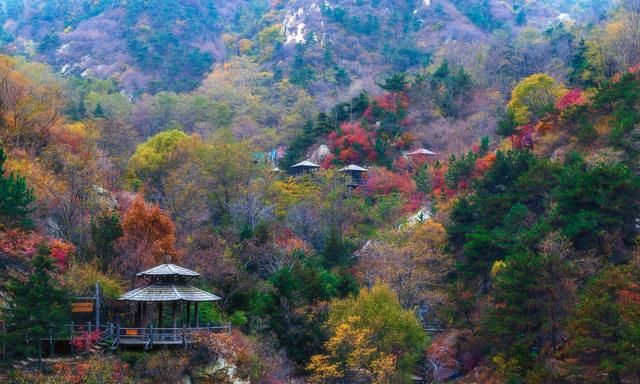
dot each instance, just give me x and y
(136, 132)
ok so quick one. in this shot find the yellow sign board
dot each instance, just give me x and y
(82, 307)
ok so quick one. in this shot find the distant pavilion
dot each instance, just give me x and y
(355, 173)
(421, 152)
(304, 167)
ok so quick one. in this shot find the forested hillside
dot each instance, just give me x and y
(469, 213)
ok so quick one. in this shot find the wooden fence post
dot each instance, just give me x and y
(97, 306)
(50, 340)
(4, 342)
(118, 334)
(151, 335)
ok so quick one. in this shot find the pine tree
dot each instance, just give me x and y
(423, 180)
(98, 112)
(34, 305)
(484, 145)
(334, 251)
(579, 65)
(105, 230)
(15, 196)
(397, 82)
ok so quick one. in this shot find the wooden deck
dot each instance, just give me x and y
(150, 337)
(114, 336)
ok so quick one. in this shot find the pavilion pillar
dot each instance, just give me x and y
(196, 315)
(139, 314)
(160, 315)
(144, 315)
(173, 314)
(188, 305)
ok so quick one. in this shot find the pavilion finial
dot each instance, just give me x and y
(167, 259)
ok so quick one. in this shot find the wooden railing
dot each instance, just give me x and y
(114, 335)
(165, 336)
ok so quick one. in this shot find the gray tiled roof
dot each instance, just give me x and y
(305, 163)
(168, 270)
(353, 167)
(168, 292)
(422, 151)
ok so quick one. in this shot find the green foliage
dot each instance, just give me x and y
(502, 215)
(336, 250)
(368, 25)
(533, 97)
(479, 12)
(303, 140)
(151, 156)
(397, 82)
(484, 146)
(105, 230)
(34, 305)
(158, 45)
(580, 65)
(301, 72)
(395, 330)
(342, 78)
(605, 328)
(621, 97)
(507, 124)
(594, 203)
(530, 295)
(288, 306)
(423, 179)
(15, 197)
(449, 86)
(460, 169)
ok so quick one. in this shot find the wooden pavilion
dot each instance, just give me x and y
(355, 175)
(421, 152)
(165, 284)
(304, 167)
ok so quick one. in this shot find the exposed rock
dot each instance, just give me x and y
(319, 154)
(217, 372)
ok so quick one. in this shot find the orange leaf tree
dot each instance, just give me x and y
(148, 237)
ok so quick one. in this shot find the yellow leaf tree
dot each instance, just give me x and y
(533, 97)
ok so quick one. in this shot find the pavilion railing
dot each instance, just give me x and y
(149, 336)
(115, 335)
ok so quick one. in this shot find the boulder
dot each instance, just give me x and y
(319, 154)
(219, 371)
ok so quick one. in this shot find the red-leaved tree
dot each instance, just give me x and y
(571, 98)
(381, 181)
(353, 143)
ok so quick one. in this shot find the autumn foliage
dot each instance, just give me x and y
(352, 143)
(571, 98)
(382, 181)
(148, 238)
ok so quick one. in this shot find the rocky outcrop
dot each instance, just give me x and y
(218, 372)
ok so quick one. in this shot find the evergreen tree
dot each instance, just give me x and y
(605, 328)
(423, 180)
(579, 65)
(596, 203)
(335, 250)
(299, 145)
(507, 125)
(342, 78)
(15, 196)
(34, 305)
(98, 112)
(397, 82)
(484, 146)
(324, 124)
(105, 230)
